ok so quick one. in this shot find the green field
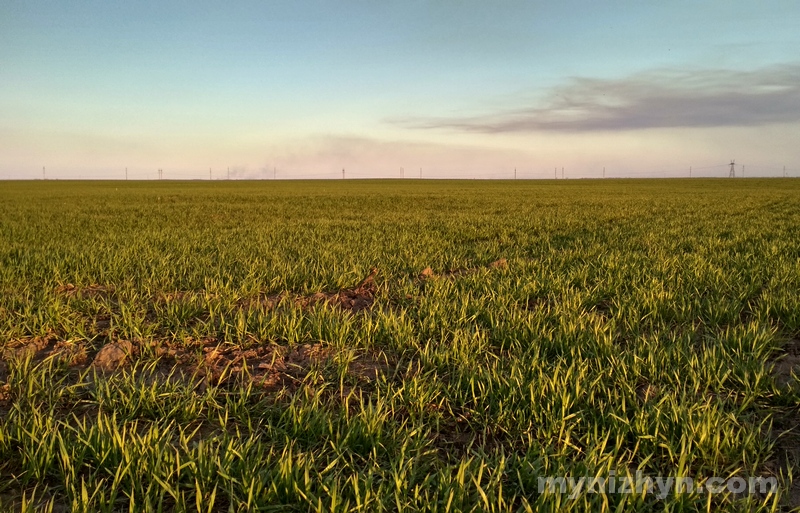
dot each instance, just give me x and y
(513, 330)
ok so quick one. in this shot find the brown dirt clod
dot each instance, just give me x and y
(113, 355)
(426, 274)
(501, 263)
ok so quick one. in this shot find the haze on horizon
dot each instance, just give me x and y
(461, 89)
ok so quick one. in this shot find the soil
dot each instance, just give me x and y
(428, 273)
(356, 299)
(785, 429)
(786, 364)
(113, 355)
(205, 362)
(93, 290)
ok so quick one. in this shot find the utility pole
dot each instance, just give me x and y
(44, 176)
(515, 173)
(784, 171)
(742, 170)
(690, 171)
(732, 173)
(604, 172)
(274, 173)
(562, 173)
(555, 173)
(209, 173)
(402, 173)
(420, 173)
(342, 173)
(229, 172)
(126, 174)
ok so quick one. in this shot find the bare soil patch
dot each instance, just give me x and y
(785, 429)
(207, 362)
(39, 348)
(787, 363)
(354, 299)
(534, 303)
(271, 367)
(785, 432)
(93, 290)
(428, 273)
(646, 391)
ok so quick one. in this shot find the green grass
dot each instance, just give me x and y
(633, 329)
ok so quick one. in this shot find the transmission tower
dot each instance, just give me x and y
(732, 173)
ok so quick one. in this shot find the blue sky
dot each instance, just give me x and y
(459, 88)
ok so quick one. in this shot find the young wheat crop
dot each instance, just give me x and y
(212, 346)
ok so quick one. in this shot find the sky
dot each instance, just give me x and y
(447, 88)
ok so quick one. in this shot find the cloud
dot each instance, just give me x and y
(656, 99)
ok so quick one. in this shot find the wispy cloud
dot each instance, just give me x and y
(656, 99)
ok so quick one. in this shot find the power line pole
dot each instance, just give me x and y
(604, 172)
(690, 171)
(515, 173)
(784, 171)
(274, 173)
(732, 172)
(342, 173)
(562, 173)
(126, 174)
(402, 173)
(209, 173)
(44, 176)
(420, 173)
(229, 172)
(555, 173)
